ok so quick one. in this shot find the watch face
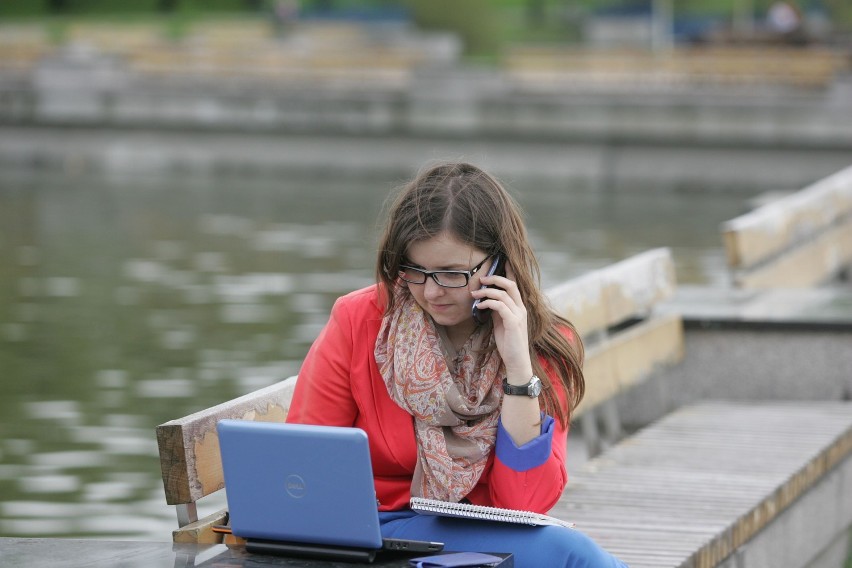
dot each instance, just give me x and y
(535, 386)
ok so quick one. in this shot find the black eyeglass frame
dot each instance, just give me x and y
(468, 274)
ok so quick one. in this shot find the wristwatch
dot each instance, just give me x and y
(532, 389)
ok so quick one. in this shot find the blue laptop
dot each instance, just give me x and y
(303, 490)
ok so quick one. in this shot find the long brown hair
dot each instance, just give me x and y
(477, 209)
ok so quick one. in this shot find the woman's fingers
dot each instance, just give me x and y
(501, 289)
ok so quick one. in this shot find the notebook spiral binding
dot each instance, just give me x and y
(481, 512)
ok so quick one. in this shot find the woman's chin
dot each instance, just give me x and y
(454, 320)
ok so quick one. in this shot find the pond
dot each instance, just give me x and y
(127, 302)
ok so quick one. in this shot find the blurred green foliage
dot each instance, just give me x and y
(474, 20)
(534, 11)
(483, 25)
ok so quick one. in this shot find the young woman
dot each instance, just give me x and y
(455, 408)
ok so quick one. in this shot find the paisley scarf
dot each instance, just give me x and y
(455, 407)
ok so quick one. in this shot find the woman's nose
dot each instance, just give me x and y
(432, 289)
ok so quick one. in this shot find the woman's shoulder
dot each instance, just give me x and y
(364, 302)
(564, 327)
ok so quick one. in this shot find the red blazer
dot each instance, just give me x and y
(340, 385)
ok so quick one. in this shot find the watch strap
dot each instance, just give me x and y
(532, 389)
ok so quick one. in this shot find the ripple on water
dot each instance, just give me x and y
(69, 459)
(108, 491)
(165, 388)
(53, 483)
(66, 411)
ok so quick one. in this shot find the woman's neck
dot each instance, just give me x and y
(459, 334)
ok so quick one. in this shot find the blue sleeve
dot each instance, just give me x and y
(532, 454)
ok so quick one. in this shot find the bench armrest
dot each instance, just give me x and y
(189, 446)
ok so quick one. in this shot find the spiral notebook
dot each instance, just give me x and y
(469, 511)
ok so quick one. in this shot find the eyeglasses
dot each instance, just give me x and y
(445, 278)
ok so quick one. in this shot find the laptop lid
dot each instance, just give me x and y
(299, 483)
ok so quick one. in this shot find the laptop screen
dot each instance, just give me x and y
(299, 483)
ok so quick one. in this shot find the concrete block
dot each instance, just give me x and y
(739, 364)
(804, 531)
(837, 554)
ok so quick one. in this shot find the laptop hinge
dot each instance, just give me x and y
(304, 550)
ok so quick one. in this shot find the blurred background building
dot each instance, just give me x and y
(714, 71)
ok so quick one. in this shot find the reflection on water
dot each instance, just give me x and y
(125, 303)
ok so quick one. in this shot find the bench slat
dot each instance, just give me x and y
(189, 446)
(779, 225)
(811, 264)
(611, 295)
(201, 531)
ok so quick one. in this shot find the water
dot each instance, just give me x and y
(127, 302)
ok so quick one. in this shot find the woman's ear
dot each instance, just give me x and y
(510, 273)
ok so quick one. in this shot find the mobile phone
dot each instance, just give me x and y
(498, 267)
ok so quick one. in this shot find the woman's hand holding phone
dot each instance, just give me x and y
(500, 298)
(520, 415)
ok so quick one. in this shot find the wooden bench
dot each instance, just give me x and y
(797, 241)
(601, 303)
(189, 455)
(22, 46)
(542, 66)
(626, 338)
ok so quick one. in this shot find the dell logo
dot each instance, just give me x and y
(295, 486)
